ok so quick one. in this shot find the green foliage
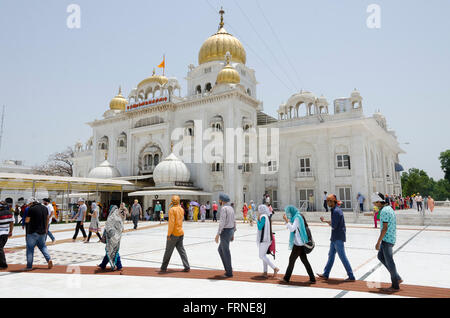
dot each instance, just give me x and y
(441, 190)
(416, 180)
(444, 158)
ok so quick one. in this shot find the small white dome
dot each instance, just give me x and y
(104, 171)
(170, 170)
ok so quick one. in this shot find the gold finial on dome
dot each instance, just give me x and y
(221, 12)
(228, 75)
(118, 102)
(215, 47)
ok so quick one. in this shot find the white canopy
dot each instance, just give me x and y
(168, 192)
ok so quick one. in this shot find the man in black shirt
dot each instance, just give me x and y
(37, 225)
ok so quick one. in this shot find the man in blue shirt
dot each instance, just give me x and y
(337, 224)
(387, 239)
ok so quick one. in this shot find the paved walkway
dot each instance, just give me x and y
(296, 280)
(418, 249)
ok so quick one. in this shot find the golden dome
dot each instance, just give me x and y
(217, 45)
(160, 79)
(228, 75)
(118, 102)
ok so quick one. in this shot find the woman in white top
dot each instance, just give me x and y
(264, 238)
(296, 224)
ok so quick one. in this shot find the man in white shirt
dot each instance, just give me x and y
(419, 202)
(50, 209)
(227, 227)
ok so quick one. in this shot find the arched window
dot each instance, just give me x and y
(103, 143)
(156, 160)
(198, 90)
(148, 160)
(249, 92)
(208, 87)
(122, 142)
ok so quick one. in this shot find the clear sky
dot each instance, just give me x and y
(54, 79)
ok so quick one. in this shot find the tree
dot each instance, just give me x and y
(444, 158)
(441, 190)
(416, 180)
(58, 164)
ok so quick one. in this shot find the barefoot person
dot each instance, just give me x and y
(337, 239)
(264, 238)
(6, 230)
(112, 236)
(175, 235)
(80, 217)
(386, 240)
(227, 227)
(37, 224)
(94, 227)
(297, 239)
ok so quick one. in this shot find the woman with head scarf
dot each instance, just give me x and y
(203, 212)
(112, 236)
(296, 224)
(264, 238)
(251, 212)
(245, 211)
(94, 227)
(123, 208)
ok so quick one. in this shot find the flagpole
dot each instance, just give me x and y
(164, 68)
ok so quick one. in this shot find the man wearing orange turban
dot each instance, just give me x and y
(175, 235)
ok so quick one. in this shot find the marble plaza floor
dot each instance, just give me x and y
(422, 255)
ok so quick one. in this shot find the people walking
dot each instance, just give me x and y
(245, 211)
(325, 205)
(419, 202)
(264, 239)
(202, 213)
(195, 213)
(208, 210)
(80, 216)
(360, 198)
(94, 226)
(215, 207)
(227, 227)
(431, 204)
(376, 215)
(6, 230)
(337, 239)
(16, 214)
(49, 206)
(123, 209)
(297, 225)
(111, 237)
(136, 213)
(175, 235)
(386, 240)
(252, 212)
(37, 224)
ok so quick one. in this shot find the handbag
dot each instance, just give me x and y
(309, 246)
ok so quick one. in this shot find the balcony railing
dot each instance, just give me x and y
(304, 174)
(147, 169)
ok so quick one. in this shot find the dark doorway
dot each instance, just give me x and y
(163, 206)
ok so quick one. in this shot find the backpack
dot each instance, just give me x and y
(310, 245)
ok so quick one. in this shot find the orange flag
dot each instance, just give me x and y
(163, 63)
